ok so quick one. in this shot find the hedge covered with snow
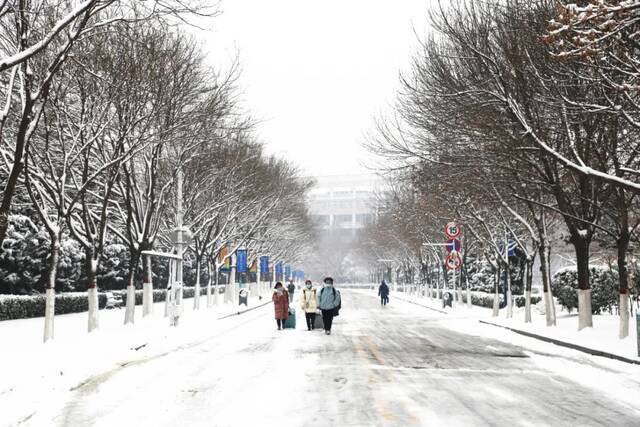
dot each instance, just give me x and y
(604, 288)
(486, 300)
(26, 306)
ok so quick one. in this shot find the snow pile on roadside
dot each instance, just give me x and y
(36, 377)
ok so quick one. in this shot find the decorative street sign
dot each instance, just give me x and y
(452, 230)
(241, 260)
(264, 264)
(453, 245)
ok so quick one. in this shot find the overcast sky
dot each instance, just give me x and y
(317, 71)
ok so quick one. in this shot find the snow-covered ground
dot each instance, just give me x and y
(602, 337)
(400, 365)
(36, 375)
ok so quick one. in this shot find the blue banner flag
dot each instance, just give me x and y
(241, 260)
(279, 269)
(264, 264)
(287, 272)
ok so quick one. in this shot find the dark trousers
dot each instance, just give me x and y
(384, 300)
(280, 323)
(327, 318)
(311, 318)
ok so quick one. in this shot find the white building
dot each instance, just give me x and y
(342, 204)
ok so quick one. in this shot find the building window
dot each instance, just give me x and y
(364, 219)
(342, 219)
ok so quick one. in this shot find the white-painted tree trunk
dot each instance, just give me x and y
(130, 309)
(49, 313)
(548, 307)
(147, 289)
(527, 306)
(469, 302)
(232, 285)
(169, 291)
(258, 277)
(624, 316)
(509, 296)
(92, 295)
(209, 296)
(50, 296)
(94, 319)
(196, 291)
(585, 318)
(496, 300)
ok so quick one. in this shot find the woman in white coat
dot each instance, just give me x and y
(309, 303)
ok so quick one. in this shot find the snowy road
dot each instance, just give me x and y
(393, 366)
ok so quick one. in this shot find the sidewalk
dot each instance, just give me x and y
(35, 374)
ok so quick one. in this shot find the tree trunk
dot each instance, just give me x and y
(216, 293)
(507, 273)
(147, 287)
(196, 293)
(209, 284)
(169, 290)
(585, 318)
(92, 291)
(50, 298)
(466, 282)
(543, 250)
(496, 295)
(527, 291)
(130, 309)
(623, 272)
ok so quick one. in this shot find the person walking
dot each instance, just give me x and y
(383, 293)
(330, 303)
(291, 288)
(280, 300)
(309, 303)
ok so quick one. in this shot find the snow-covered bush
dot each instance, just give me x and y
(26, 306)
(22, 262)
(604, 288)
(481, 275)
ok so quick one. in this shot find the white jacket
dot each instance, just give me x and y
(309, 300)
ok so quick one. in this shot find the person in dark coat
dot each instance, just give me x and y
(291, 288)
(280, 300)
(383, 293)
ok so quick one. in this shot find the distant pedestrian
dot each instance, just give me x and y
(330, 303)
(291, 288)
(309, 303)
(280, 304)
(383, 293)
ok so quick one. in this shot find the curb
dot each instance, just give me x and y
(566, 344)
(244, 311)
(425, 306)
